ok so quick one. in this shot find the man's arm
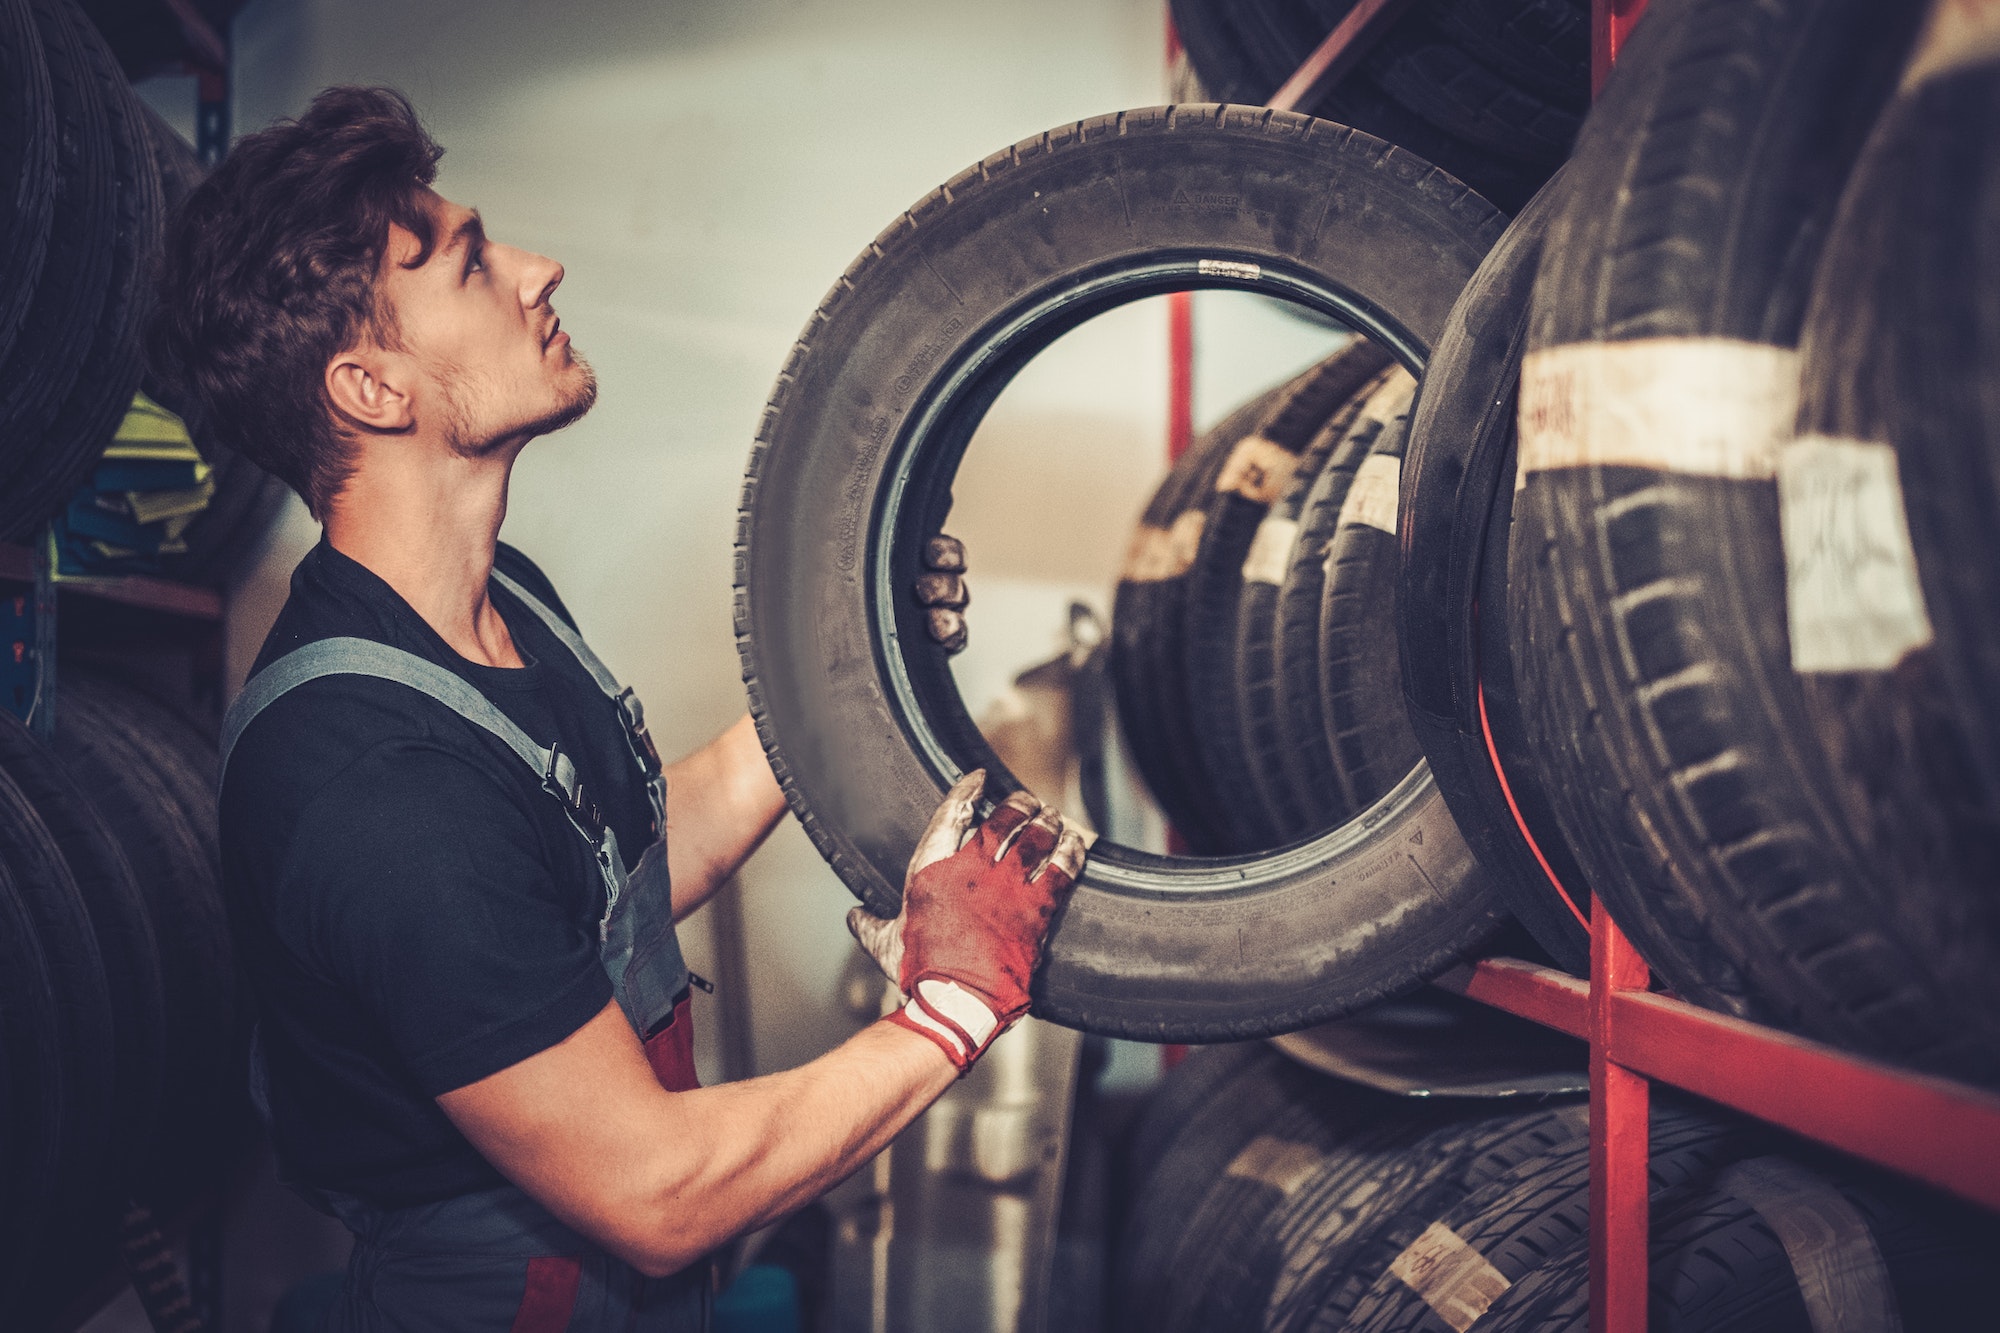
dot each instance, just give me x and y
(722, 802)
(660, 1178)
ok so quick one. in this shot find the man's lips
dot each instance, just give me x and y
(555, 331)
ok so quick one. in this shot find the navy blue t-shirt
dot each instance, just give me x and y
(414, 912)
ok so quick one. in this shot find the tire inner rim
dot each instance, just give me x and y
(924, 459)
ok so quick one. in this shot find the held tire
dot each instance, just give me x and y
(1644, 566)
(1257, 471)
(851, 473)
(1451, 603)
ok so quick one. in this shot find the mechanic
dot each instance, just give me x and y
(452, 860)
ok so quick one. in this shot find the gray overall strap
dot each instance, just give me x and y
(629, 707)
(365, 657)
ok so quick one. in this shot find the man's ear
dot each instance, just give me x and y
(362, 384)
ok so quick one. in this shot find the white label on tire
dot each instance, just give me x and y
(1270, 551)
(1258, 470)
(1852, 597)
(1454, 1279)
(1158, 554)
(1280, 1163)
(1372, 497)
(1228, 268)
(1709, 407)
(1957, 33)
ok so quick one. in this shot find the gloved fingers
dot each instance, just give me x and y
(1008, 818)
(1037, 839)
(1065, 863)
(946, 590)
(946, 832)
(881, 938)
(945, 554)
(947, 629)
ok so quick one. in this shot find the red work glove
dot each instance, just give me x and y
(976, 908)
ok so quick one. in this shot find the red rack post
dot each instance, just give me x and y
(1620, 1119)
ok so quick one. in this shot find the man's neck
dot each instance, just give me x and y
(426, 524)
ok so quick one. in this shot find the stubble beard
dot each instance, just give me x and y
(467, 444)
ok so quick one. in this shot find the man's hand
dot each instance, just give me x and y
(943, 594)
(976, 907)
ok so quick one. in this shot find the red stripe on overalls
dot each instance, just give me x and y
(670, 1051)
(550, 1297)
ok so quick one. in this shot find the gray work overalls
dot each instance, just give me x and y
(497, 1259)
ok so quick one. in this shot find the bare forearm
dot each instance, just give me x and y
(766, 1147)
(722, 802)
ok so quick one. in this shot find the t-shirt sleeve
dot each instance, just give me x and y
(416, 883)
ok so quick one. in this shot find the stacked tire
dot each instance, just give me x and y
(91, 173)
(1270, 1199)
(121, 1041)
(1709, 634)
(1491, 90)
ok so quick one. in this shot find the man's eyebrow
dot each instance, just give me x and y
(470, 230)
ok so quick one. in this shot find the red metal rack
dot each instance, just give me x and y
(1942, 1133)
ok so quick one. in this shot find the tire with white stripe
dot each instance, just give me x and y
(1360, 676)
(1646, 575)
(1888, 501)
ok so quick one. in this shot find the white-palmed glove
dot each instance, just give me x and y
(977, 902)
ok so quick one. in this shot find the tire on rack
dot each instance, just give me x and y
(27, 163)
(1266, 729)
(82, 1024)
(1538, 1212)
(1539, 45)
(1345, 1226)
(114, 360)
(1646, 566)
(126, 752)
(1258, 470)
(32, 1077)
(1886, 503)
(1753, 1248)
(1248, 51)
(1304, 753)
(1360, 676)
(1232, 1162)
(1451, 602)
(851, 474)
(62, 318)
(1146, 617)
(123, 931)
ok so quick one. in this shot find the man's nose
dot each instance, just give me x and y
(540, 276)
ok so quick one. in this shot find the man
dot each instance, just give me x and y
(452, 860)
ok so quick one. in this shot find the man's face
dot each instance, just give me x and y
(485, 353)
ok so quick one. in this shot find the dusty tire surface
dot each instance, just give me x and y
(851, 473)
(1644, 566)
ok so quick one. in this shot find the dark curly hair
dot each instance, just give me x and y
(270, 269)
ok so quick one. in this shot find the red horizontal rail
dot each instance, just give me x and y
(1553, 999)
(1944, 1133)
